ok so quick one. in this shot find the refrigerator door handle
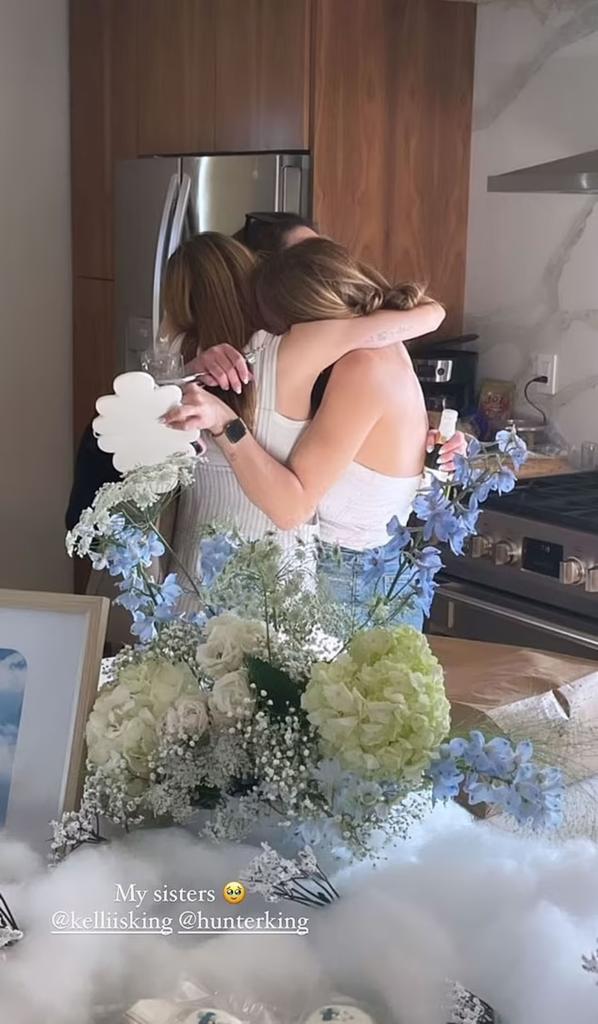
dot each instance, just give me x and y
(178, 221)
(277, 188)
(291, 188)
(169, 201)
(285, 171)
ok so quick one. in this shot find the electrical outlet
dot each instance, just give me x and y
(545, 366)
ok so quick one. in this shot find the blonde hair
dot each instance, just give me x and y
(318, 279)
(207, 298)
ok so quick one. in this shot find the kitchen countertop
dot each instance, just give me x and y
(545, 465)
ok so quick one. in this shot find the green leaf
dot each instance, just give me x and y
(278, 686)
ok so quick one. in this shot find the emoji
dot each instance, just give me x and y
(234, 892)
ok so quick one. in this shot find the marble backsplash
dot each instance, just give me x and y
(532, 277)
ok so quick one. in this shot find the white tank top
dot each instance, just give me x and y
(216, 496)
(356, 509)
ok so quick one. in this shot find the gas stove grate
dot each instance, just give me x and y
(570, 501)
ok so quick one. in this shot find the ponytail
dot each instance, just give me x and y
(318, 280)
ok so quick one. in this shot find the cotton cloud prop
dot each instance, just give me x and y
(506, 915)
(129, 424)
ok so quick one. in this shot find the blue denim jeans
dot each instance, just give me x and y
(347, 587)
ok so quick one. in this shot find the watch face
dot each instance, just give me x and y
(235, 431)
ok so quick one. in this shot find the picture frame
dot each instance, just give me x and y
(51, 648)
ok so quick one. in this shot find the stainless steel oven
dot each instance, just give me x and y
(467, 610)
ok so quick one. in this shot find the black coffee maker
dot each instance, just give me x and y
(447, 374)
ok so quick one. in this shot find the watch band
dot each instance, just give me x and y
(234, 431)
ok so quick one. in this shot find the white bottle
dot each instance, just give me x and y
(446, 429)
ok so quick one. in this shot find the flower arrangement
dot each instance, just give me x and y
(261, 706)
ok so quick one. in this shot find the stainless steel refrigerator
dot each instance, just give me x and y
(160, 201)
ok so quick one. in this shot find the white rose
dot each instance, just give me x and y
(99, 747)
(114, 698)
(168, 683)
(229, 640)
(231, 697)
(188, 717)
(136, 677)
(113, 706)
(139, 739)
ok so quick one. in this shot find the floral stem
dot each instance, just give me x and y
(178, 562)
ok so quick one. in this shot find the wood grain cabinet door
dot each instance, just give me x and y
(91, 171)
(103, 123)
(393, 86)
(262, 75)
(176, 75)
(93, 348)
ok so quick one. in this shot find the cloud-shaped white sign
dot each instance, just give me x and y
(129, 427)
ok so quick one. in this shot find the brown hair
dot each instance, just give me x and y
(318, 279)
(207, 298)
(267, 233)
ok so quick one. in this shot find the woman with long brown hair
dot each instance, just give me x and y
(359, 463)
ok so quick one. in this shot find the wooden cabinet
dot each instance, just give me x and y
(223, 75)
(93, 347)
(391, 137)
(103, 123)
(262, 75)
(380, 91)
(90, 152)
(176, 75)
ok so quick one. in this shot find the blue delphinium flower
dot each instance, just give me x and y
(132, 594)
(512, 445)
(536, 796)
(446, 778)
(494, 757)
(496, 773)
(215, 553)
(426, 564)
(150, 547)
(144, 627)
(469, 516)
(374, 568)
(400, 537)
(503, 481)
(170, 591)
(462, 471)
(129, 547)
(433, 507)
(474, 448)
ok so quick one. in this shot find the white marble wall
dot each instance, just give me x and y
(532, 277)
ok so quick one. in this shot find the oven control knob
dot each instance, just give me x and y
(572, 572)
(505, 552)
(480, 546)
(592, 580)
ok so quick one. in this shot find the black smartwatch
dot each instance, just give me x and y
(234, 431)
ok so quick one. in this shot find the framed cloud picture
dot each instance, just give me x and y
(51, 649)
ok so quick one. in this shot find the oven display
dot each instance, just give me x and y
(541, 556)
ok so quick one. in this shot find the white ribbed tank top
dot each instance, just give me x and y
(216, 496)
(355, 511)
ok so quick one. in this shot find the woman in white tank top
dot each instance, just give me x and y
(326, 475)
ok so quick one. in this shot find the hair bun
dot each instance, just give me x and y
(370, 301)
(404, 296)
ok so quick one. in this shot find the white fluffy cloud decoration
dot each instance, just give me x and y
(129, 427)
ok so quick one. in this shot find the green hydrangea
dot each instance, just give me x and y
(380, 709)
